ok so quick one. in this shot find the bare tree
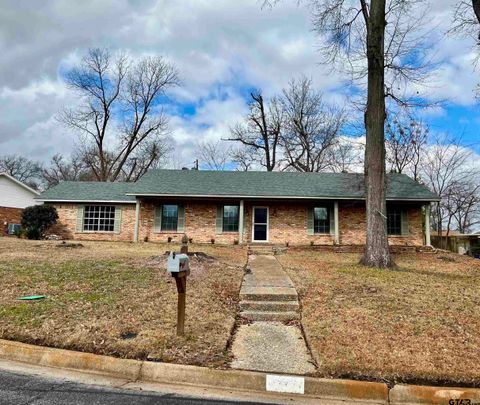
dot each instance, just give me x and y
(465, 203)
(371, 39)
(120, 109)
(347, 155)
(311, 128)
(62, 169)
(405, 140)
(447, 168)
(467, 18)
(261, 129)
(25, 170)
(215, 155)
(244, 157)
(152, 154)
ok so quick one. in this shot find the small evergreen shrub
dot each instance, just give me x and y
(37, 219)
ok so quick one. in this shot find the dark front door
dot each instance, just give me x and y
(260, 224)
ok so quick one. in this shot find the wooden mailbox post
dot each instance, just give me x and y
(179, 267)
(181, 280)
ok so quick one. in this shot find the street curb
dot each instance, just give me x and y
(416, 394)
(347, 390)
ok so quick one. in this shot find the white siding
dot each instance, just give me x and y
(13, 195)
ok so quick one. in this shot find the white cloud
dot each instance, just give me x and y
(221, 48)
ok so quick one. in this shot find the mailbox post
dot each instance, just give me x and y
(178, 266)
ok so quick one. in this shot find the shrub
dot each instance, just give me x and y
(33, 233)
(37, 219)
(212, 241)
(60, 230)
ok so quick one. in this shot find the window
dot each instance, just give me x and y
(321, 220)
(170, 218)
(230, 218)
(99, 218)
(394, 221)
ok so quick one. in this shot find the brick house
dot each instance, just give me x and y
(240, 207)
(14, 197)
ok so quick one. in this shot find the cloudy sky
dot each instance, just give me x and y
(222, 48)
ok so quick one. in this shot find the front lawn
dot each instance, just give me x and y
(116, 299)
(420, 323)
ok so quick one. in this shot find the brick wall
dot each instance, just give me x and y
(200, 224)
(67, 215)
(353, 224)
(9, 216)
(287, 223)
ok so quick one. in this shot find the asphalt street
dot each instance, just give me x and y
(20, 389)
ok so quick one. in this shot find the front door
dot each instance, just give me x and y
(260, 224)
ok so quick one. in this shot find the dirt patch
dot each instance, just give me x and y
(420, 323)
(117, 299)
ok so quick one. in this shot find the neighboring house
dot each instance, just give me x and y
(244, 207)
(14, 197)
(457, 242)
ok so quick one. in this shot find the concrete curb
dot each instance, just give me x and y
(416, 394)
(347, 390)
(333, 389)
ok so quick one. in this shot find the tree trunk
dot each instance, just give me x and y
(377, 253)
(476, 8)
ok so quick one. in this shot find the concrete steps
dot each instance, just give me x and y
(275, 304)
(270, 306)
(268, 294)
(260, 250)
(270, 316)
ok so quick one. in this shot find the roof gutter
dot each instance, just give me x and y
(85, 201)
(272, 197)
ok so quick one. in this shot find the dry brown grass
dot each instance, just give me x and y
(103, 291)
(418, 323)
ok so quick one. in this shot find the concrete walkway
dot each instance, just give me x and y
(268, 297)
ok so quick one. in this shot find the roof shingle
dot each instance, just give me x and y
(204, 183)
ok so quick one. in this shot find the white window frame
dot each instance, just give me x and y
(99, 218)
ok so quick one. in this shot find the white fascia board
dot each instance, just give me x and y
(86, 201)
(272, 197)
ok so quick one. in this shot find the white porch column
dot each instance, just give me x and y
(427, 225)
(240, 222)
(335, 217)
(137, 220)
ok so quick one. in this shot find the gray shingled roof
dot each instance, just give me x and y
(88, 191)
(237, 184)
(272, 184)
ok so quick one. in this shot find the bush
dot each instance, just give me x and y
(58, 230)
(33, 233)
(37, 219)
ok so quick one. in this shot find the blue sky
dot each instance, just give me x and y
(223, 50)
(463, 120)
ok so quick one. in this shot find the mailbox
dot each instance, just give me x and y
(178, 262)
